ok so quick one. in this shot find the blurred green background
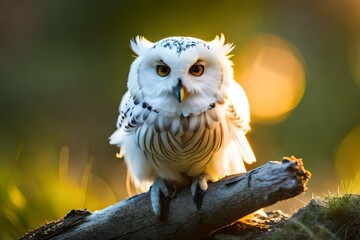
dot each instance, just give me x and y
(64, 66)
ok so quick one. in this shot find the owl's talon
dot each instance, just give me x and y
(198, 196)
(160, 197)
(198, 188)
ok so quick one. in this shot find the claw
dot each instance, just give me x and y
(198, 188)
(198, 196)
(160, 197)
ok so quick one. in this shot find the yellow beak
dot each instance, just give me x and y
(180, 92)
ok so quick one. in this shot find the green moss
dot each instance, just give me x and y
(329, 218)
(343, 215)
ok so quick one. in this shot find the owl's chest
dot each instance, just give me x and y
(184, 142)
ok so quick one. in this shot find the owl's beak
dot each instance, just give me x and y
(180, 92)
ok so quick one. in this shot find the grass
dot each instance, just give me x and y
(40, 190)
(333, 217)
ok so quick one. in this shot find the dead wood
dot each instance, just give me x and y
(224, 202)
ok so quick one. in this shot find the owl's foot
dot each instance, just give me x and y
(198, 188)
(160, 195)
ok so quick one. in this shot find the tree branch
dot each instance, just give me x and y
(224, 202)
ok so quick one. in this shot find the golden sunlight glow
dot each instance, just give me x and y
(64, 164)
(272, 75)
(16, 197)
(11, 216)
(99, 193)
(348, 161)
(64, 188)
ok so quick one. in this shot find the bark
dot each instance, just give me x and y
(224, 202)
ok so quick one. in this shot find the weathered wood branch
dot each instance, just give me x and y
(224, 202)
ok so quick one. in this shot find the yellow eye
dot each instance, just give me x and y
(163, 70)
(197, 70)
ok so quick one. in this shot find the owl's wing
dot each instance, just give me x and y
(133, 115)
(238, 118)
(236, 150)
(125, 124)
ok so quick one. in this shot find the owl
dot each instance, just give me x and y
(183, 119)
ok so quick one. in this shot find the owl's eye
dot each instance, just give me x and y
(162, 70)
(197, 70)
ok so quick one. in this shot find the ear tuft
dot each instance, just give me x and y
(140, 45)
(219, 43)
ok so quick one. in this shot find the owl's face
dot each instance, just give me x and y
(180, 75)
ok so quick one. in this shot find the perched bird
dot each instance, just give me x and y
(183, 119)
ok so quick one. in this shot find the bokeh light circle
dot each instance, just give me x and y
(272, 75)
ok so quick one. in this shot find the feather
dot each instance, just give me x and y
(150, 120)
(140, 45)
(209, 122)
(167, 123)
(194, 123)
(175, 126)
(213, 114)
(185, 123)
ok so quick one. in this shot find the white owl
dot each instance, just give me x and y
(183, 118)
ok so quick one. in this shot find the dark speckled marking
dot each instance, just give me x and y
(180, 44)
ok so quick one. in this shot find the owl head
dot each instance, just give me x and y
(180, 75)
